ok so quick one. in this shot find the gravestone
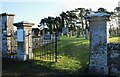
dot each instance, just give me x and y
(98, 43)
(24, 36)
(64, 30)
(47, 36)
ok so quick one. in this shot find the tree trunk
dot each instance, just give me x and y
(86, 30)
(78, 32)
(70, 33)
(86, 34)
(82, 29)
(82, 33)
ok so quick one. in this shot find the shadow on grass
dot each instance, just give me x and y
(15, 67)
(31, 67)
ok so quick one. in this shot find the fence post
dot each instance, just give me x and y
(24, 38)
(56, 46)
(98, 43)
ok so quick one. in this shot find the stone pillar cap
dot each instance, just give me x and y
(99, 14)
(23, 23)
(7, 14)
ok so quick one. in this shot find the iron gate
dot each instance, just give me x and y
(45, 47)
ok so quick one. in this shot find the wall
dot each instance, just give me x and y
(114, 58)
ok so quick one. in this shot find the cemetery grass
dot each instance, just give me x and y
(114, 39)
(73, 58)
(73, 55)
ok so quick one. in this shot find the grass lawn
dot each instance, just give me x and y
(114, 39)
(73, 58)
(73, 55)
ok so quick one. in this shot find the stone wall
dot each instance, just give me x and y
(114, 58)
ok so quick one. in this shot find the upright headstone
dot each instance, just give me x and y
(6, 26)
(98, 43)
(24, 37)
(65, 30)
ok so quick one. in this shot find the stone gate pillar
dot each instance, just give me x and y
(98, 43)
(6, 27)
(24, 38)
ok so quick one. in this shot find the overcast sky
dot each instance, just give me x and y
(35, 10)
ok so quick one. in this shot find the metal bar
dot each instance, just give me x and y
(11, 42)
(42, 49)
(40, 46)
(47, 50)
(56, 46)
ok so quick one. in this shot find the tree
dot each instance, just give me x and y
(81, 18)
(58, 26)
(64, 20)
(63, 17)
(102, 10)
(50, 23)
(71, 17)
(87, 12)
(42, 25)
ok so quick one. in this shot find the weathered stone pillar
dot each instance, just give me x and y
(24, 37)
(98, 43)
(6, 27)
(0, 37)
